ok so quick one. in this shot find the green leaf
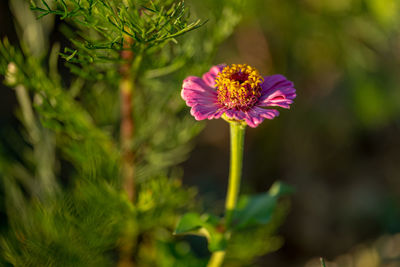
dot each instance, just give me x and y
(205, 225)
(258, 209)
(253, 210)
(217, 242)
(189, 223)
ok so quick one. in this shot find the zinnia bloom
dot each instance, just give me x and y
(237, 92)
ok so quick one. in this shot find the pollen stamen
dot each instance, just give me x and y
(239, 86)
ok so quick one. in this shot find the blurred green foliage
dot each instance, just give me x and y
(346, 44)
(61, 180)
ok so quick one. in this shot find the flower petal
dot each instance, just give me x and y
(209, 77)
(195, 91)
(277, 91)
(202, 99)
(210, 111)
(235, 114)
(252, 117)
(256, 115)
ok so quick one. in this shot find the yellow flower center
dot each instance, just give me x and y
(238, 86)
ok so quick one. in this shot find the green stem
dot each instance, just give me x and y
(216, 259)
(235, 172)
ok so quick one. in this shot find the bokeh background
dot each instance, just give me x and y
(339, 143)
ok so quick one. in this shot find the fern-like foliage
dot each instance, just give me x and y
(84, 144)
(102, 27)
(82, 223)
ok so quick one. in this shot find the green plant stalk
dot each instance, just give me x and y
(217, 258)
(237, 131)
(235, 172)
(43, 145)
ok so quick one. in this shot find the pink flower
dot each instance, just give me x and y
(237, 92)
